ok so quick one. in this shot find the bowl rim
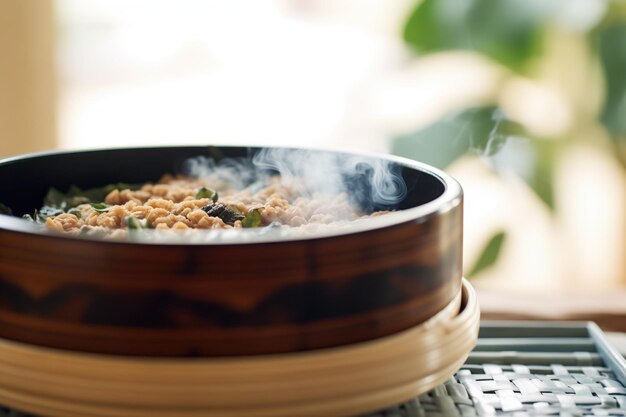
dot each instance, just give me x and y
(451, 197)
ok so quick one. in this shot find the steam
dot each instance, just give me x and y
(224, 174)
(371, 183)
(379, 179)
(496, 139)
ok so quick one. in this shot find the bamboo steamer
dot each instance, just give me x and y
(342, 381)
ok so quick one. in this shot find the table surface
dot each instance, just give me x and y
(602, 306)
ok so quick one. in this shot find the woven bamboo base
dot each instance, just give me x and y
(522, 383)
(332, 382)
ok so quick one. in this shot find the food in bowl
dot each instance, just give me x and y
(183, 203)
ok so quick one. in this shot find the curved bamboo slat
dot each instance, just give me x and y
(333, 382)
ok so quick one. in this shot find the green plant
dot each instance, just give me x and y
(514, 35)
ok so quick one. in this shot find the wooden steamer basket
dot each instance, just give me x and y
(339, 322)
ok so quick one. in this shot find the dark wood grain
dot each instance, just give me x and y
(205, 300)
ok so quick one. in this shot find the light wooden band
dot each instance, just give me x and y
(332, 382)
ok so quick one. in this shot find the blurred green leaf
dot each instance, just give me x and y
(489, 255)
(611, 43)
(481, 130)
(484, 131)
(531, 159)
(507, 31)
(542, 179)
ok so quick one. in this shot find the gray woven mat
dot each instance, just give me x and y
(520, 390)
(529, 369)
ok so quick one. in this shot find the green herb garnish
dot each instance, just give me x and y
(253, 219)
(76, 212)
(134, 223)
(207, 193)
(76, 196)
(46, 211)
(5, 210)
(40, 216)
(100, 207)
(57, 202)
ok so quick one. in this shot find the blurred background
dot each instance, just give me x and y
(523, 101)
